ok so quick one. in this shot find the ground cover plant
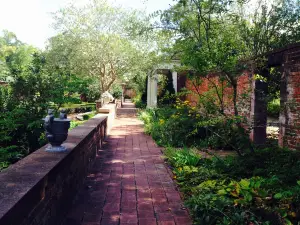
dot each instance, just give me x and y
(257, 188)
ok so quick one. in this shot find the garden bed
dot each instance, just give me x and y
(258, 188)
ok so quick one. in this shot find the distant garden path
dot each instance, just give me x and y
(129, 183)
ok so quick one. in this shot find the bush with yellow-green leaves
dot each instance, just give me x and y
(181, 125)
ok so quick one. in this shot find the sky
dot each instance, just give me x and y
(31, 20)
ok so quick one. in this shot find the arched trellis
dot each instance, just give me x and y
(152, 80)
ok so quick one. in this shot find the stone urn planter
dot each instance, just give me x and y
(56, 130)
(107, 97)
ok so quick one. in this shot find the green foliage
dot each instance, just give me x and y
(167, 95)
(173, 126)
(259, 188)
(116, 91)
(79, 108)
(9, 155)
(97, 40)
(144, 91)
(74, 124)
(139, 102)
(183, 125)
(25, 103)
(33, 87)
(274, 107)
(224, 133)
(185, 157)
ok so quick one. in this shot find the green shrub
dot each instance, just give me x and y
(225, 133)
(167, 95)
(173, 126)
(183, 125)
(139, 102)
(141, 105)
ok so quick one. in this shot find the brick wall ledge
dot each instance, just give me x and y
(38, 189)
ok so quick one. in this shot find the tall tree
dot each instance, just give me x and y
(94, 41)
(206, 40)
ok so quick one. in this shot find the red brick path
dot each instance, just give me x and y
(129, 184)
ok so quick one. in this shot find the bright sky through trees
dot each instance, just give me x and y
(31, 21)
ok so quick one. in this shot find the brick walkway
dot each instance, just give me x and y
(129, 183)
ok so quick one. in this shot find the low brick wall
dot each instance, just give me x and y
(109, 110)
(39, 189)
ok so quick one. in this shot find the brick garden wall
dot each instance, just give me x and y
(39, 189)
(251, 98)
(244, 92)
(289, 130)
(130, 93)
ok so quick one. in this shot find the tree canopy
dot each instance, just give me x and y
(96, 41)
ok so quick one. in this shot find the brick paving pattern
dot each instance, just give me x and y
(129, 183)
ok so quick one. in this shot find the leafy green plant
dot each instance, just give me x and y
(184, 125)
(76, 123)
(185, 157)
(274, 107)
(174, 125)
(256, 188)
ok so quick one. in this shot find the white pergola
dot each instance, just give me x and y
(152, 81)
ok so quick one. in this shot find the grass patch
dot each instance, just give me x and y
(76, 123)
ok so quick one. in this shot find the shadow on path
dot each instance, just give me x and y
(129, 183)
